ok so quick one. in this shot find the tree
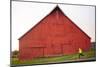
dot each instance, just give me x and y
(15, 54)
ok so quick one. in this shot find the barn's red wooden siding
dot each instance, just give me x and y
(55, 35)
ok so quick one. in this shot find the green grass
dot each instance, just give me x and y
(65, 58)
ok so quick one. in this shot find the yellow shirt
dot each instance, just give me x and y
(80, 50)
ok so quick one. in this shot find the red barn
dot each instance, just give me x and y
(54, 35)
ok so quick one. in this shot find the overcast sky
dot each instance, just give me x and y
(25, 15)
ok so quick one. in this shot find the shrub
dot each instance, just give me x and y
(15, 53)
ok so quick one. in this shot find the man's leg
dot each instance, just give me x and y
(82, 54)
(79, 55)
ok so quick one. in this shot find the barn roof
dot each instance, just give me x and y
(55, 8)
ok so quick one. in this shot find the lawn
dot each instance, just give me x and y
(66, 58)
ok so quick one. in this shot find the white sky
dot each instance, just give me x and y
(25, 15)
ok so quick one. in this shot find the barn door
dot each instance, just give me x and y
(37, 52)
(67, 49)
(57, 49)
